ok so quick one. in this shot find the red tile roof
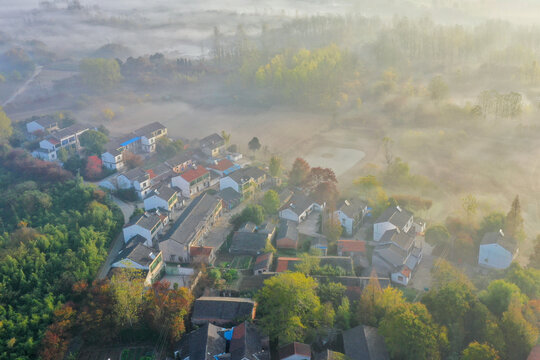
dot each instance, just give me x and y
(222, 165)
(535, 353)
(193, 174)
(352, 245)
(283, 263)
(406, 271)
(200, 250)
(295, 348)
(151, 173)
(262, 258)
(53, 141)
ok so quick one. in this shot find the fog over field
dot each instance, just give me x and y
(390, 53)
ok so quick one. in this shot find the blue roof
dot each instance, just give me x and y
(232, 169)
(228, 334)
(130, 141)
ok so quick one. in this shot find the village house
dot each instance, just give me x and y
(212, 145)
(43, 124)
(248, 344)
(263, 263)
(364, 343)
(202, 254)
(287, 235)
(64, 138)
(224, 167)
(149, 135)
(351, 215)
(180, 162)
(192, 181)
(113, 159)
(164, 198)
(147, 225)
(287, 264)
(222, 310)
(230, 198)
(189, 230)
(135, 255)
(244, 181)
(394, 217)
(497, 251)
(249, 243)
(136, 179)
(295, 351)
(298, 207)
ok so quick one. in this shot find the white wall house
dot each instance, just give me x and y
(162, 198)
(192, 181)
(228, 182)
(148, 226)
(44, 124)
(113, 160)
(497, 251)
(136, 179)
(402, 275)
(393, 217)
(298, 207)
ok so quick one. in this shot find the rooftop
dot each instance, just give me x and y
(248, 242)
(351, 246)
(222, 309)
(163, 192)
(352, 208)
(287, 229)
(194, 174)
(137, 252)
(229, 194)
(222, 165)
(263, 261)
(286, 264)
(136, 174)
(298, 203)
(205, 251)
(149, 129)
(498, 237)
(401, 239)
(212, 141)
(70, 130)
(246, 343)
(364, 343)
(294, 348)
(396, 216)
(46, 121)
(203, 343)
(180, 159)
(147, 220)
(245, 174)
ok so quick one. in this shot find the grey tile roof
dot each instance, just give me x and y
(137, 252)
(400, 238)
(248, 243)
(212, 141)
(70, 130)
(187, 225)
(203, 343)
(136, 174)
(163, 192)
(182, 158)
(229, 194)
(147, 130)
(263, 261)
(266, 228)
(294, 348)
(248, 227)
(396, 216)
(298, 203)
(222, 309)
(391, 253)
(245, 174)
(498, 237)
(287, 229)
(284, 196)
(352, 208)
(246, 343)
(46, 121)
(148, 220)
(364, 343)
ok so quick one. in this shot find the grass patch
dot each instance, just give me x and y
(241, 262)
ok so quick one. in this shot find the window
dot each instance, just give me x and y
(400, 278)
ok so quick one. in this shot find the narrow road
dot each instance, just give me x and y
(24, 86)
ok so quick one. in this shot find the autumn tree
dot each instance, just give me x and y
(5, 126)
(299, 173)
(270, 202)
(226, 137)
(288, 305)
(127, 289)
(477, 351)
(275, 166)
(514, 221)
(166, 309)
(132, 160)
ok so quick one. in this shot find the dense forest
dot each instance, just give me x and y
(55, 233)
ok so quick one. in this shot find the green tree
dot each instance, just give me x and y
(520, 336)
(94, 141)
(514, 221)
(469, 204)
(270, 202)
(343, 314)
(226, 137)
(332, 230)
(299, 173)
(275, 166)
(527, 279)
(491, 222)
(438, 89)
(477, 351)
(254, 144)
(251, 213)
(332, 292)
(288, 305)
(534, 259)
(411, 334)
(5, 126)
(437, 235)
(499, 295)
(100, 73)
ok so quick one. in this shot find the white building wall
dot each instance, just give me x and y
(399, 278)
(380, 228)
(45, 144)
(227, 182)
(133, 230)
(34, 126)
(123, 182)
(154, 202)
(289, 215)
(345, 221)
(495, 256)
(182, 184)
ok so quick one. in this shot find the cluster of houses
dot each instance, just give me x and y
(226, 331)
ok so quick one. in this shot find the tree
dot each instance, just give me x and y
(437, 235)
(367, 186)
(477, 351)
(270, 202)
(388, 144)
(5, 126)
(168, 148)
(534, 259)
(469, 204)
(411, 334)
(275, 166)
(94, 141)
(491, 223)
(514, 221)
(333, 230)
(331, 292)
(254, 144)
(131, 160)
(438, 89)
(226, 137)
(94, 168)
(499, 295)
(288, 305)
(325, 193)
(127, 290)
(520, 336)
(166, 309)
(343, 314)
(100, 73)
(527, 279)
(299, 173)
(251, 213)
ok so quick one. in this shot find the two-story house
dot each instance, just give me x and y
(43, 124)
(394, 217)
(212, 145)
(244, 181)
(136, 179)
(351, 214)
(149, 135)
(147, 225)
(180, 162)
(298, 207)
(497, 250)
(192, 181)
(163, 197)
(64, 138)
(224, 167)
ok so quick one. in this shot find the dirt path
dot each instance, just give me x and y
(24, 86)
